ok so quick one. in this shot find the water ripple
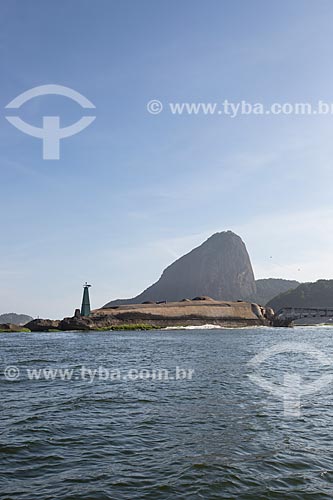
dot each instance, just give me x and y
(217, 436)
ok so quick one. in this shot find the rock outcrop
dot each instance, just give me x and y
(198, 311)
(82, 323)
(43, 325)
(219, 268)
(10, 327)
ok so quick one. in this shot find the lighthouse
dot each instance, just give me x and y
(85, 308)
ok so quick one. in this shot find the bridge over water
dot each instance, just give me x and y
(286, 315)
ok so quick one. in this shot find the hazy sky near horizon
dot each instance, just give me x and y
(134, 191)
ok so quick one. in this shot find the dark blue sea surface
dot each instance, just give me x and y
(211, 436)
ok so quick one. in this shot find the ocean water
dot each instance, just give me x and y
(202, 430)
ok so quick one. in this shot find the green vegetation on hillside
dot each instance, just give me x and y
(318, 294)
(269, 288)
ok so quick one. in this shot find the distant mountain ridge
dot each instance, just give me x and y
(16, 319)
(318, 294)
(269, 288)
(219, 268)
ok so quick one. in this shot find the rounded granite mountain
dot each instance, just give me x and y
(219, 268)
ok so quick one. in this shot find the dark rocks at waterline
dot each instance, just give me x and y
(43, 325)
(281, 322)
(77, 323)
(10, 327)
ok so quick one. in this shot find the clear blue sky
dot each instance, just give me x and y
(134, 191)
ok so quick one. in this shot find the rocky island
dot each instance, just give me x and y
(197, 312)
(218, 274)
